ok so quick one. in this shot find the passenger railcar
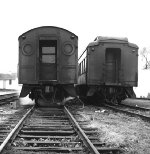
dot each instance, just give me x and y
(48, 64)
(108, 68)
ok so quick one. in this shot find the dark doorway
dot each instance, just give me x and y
(48, 60)
(112, 62)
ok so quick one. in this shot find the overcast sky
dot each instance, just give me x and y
(85, 18)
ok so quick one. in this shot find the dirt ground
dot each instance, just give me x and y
(115, 129)
(118, 130)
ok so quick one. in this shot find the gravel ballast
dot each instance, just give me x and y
(131, 134)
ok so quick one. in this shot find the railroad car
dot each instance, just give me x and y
(47, 67)
(108, 69)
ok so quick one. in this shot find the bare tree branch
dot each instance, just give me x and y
(145, 53)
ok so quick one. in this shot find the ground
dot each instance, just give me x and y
(119, 130)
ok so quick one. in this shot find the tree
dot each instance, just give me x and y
(145, 53)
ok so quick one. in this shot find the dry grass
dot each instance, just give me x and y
(119, 130)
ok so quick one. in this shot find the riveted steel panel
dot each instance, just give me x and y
(65, 69)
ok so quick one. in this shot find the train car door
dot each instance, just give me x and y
(47, 59)
(112, 65)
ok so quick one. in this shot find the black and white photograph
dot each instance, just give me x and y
(75, 77)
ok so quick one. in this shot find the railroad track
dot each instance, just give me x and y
(6, 98)
(93, 136)
(8, 121)
(143, 113)
(54, 130)
(48, 130)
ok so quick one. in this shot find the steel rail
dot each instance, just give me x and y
(81, 133)
(9, 94)
(7, 97)
(2, 146)
(129, 113)
(136, 107)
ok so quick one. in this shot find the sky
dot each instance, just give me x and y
(86, 18)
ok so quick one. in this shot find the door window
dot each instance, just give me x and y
(48, 59)
(48, 50)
